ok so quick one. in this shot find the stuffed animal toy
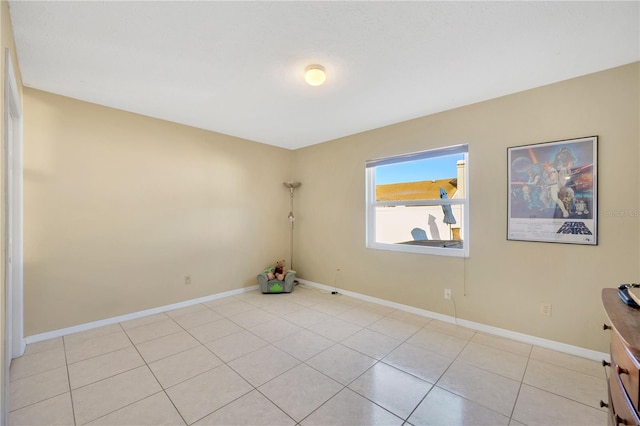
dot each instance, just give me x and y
(279, 270)
(276, 272)
(270, 274)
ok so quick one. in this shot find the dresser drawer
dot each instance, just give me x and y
(625, 366)
(624, 377)
(621, 411)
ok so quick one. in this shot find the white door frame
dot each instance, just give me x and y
(14, 322)
(14, 113)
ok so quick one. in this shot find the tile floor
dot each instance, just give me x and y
(306, 358)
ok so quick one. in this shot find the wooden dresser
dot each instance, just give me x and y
(624, 377)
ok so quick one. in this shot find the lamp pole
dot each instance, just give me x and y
(291, 219)
(292, 186)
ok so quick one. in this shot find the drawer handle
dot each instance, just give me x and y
(603, 404)
(621, 370)
(605, 363)
(606, 327)
(620, 420)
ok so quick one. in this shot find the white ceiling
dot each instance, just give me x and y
(237, 67)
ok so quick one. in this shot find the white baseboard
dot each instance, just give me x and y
(140, 314)
(520, 337)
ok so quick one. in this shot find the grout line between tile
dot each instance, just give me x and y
(73, 410)
(515, 403)
(156, 378)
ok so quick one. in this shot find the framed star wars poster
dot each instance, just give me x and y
(553, 192)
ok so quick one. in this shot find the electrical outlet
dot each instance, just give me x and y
(447, 293)
(545, 309)
(187, 279)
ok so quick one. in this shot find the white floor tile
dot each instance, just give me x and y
(420, 362)
(91, 333)
(231, 308)
(214, 330)
(307, 358)
(538, 407)
(38, 387)
(262, 365)
(300, 391)
(100, 367)
(306, 317)
(52, 411)
(103, 397)
(570, 362)
(348, 408)
(304, 344)
(580, 387)
(335, 329)
(395, 328)
(185, 311)
(80, 349)
(444, 408)
(371, 343)
(142, 321)
(252, 318)
(497, 361)
(44, 345)
(250, 409)
(503, 343)
(184, 365)
(341, 363)
(236, 345)
(396, 391)
(162, 347)
(332, 307)
(281, 307)
(360, 316)
(436, 341)
(154, 410)
(451, 329)
(483, 387)
(202, 395)
(275, 330)
(153, 331)
(199, 317)
(28, 365)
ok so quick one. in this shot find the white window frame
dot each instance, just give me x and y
(371, 203)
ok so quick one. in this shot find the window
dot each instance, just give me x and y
(419, 202)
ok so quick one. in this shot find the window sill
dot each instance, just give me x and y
(432, 247)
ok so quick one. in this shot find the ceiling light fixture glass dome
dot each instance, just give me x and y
(315, 75)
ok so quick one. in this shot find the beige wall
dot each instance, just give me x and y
(119, 208)
(502, 283)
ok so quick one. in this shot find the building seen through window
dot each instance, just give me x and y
(418, 202)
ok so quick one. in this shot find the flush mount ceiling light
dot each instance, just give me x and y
(315, 75)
